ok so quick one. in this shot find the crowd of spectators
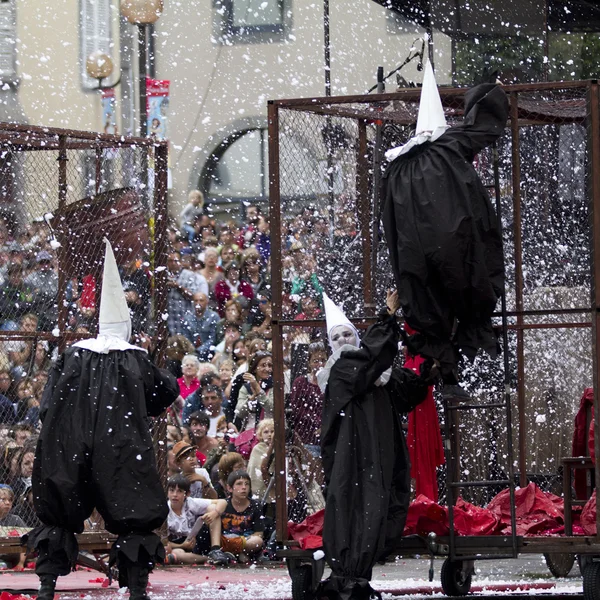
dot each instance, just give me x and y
(219, 348)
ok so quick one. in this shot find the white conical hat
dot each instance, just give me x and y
(114, 318)
(431, 113)
(431, 122)
(335, 316)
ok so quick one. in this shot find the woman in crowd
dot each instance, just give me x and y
(252, 270)
(189, 382)
(232, 287)
(306, 401)
(233, 314)
(255, 400)
(177, 347)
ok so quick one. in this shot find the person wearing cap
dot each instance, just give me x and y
(232, 287)
(95, 449)
(441, 229)
(199, 478)
(364, 454)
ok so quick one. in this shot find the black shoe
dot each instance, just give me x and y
(218, 557)
(137, 578)
(47, 587)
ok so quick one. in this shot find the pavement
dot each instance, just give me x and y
(406, 578)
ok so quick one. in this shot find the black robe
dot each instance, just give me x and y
(443, 235)
(365, 459)
(95, 450)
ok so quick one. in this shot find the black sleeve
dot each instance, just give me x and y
(485, 116)
(161, 387)
(407, 389)
(53, 377)
(358, 370)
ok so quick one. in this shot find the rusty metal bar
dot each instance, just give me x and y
(161, 157)
(364, 216)
(277, 334)
(516, 185)
(593, 181)
(413, 94)
(56, 133)
(61, 254)
(98, 169)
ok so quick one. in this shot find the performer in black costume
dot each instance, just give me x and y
(95, 449)
(441, 229)
(365, 458)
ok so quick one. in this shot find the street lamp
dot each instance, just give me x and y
(99, 65)
(142, 13)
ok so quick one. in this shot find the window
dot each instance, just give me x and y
(8, 41)
(94, 28)
(249, 18)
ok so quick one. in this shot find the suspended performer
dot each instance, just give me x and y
(95, 449)
(365, 458)
(442, 232)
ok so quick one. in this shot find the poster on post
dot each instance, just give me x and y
(109, 112)
(157, 106)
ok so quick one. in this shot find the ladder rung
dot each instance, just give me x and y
(490, 483)
(474, 406)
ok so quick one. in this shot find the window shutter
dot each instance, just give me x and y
(94, 33)
(8, 41)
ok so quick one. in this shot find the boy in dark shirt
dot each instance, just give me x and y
(242, 523)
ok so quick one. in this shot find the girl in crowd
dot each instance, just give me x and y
(255, 399)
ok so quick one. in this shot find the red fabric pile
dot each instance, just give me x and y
(588, 516)
(310, 532)
(537, 513)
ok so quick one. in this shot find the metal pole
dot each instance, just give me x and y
(278, 391)
(143, 71)
(516, 185)
(594, 203)
(61, 253)
(327, 47)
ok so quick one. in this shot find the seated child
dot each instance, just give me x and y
(199, 478)
(8, 522)
(185, 522)
(242, 522)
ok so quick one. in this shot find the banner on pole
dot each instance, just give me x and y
(157, 106)
(109, 111)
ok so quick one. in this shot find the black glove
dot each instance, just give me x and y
(430, 371)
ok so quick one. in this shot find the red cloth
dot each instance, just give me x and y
(424, 440)
(88, 292)
(309, 533)
(588, 516)
(590, 439)
(223, 293)
(536, 511)
(425, 516)
(184, 390)
(580, 437)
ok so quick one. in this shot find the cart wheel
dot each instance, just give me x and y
(455, 581)
(302, 583)
(591, 581)
(560, 565)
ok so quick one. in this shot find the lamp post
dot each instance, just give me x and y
(142, 13)
(99, 65)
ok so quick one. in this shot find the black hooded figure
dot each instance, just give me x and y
(442, 231)
(365, 458)
(95, 449)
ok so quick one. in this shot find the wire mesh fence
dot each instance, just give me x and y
(326, 156)
(61, 193)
